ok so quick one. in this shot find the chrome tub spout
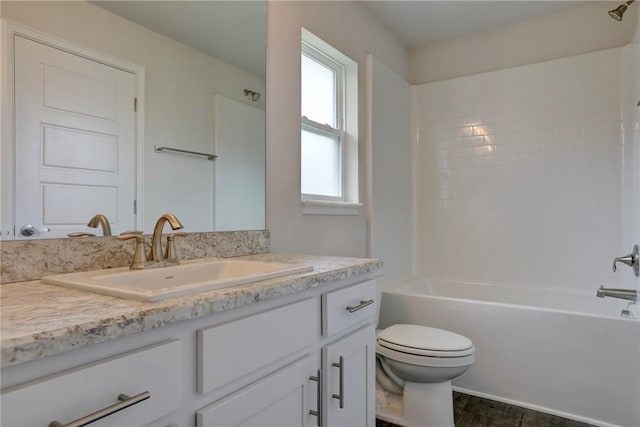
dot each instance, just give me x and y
(628, 294)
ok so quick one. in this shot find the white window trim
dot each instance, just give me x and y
(326, 60)
(328, 207)
(346, 129)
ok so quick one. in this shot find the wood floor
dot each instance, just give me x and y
(471, 411)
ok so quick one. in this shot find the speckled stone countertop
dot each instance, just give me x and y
(39, 320)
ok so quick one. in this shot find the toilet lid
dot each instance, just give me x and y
(425, 340)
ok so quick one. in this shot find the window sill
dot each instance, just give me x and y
(322, 207)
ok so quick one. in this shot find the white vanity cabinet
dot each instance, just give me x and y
(149, 378)
(305, 359)
(332, 383)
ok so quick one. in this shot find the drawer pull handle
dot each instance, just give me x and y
(363, 304)
(125, 402)
(318, 412)
(340, 365)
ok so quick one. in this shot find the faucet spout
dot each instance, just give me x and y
(102, 221)
(628, 294)
(156, 241)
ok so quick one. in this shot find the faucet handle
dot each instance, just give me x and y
(631, 260)
(124, 233)
(139, 256)
(80, 234)
(170, 251)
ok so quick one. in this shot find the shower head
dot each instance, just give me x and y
(619, 11)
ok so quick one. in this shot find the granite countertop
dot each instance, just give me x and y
(39, 320)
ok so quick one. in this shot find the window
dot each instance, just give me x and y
(329, 152)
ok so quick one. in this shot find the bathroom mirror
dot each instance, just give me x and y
(200, 87)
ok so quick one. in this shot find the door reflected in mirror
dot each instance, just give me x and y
(98, 85)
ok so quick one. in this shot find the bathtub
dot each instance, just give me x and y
(566, 353)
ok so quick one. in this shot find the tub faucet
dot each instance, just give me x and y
(632, 260)
(102, 221)
(628, 294)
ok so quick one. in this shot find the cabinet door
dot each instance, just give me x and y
(284, 398)
(349, 367)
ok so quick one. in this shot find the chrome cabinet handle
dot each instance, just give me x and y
(340, 365)
(632, 260)
(318, 413)
(363, 304)
(125, 402)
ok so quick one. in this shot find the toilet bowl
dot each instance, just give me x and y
(418, 363)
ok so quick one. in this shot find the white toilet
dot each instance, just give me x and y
(419, 363)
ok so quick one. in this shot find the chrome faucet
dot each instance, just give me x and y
(156, 257)
(101, 220)
(628, 294)
(156, 240)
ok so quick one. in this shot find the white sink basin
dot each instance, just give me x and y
(165, 282)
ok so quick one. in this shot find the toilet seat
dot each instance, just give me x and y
(418, 344)
(425, 341)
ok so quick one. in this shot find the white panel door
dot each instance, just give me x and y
(75, 141)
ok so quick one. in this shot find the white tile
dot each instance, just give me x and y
(534, 176)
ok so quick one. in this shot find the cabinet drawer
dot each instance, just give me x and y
(230, 351)
(349, 306)
(73, 394)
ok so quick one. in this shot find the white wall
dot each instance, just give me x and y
(572, 32)
(350, 28)
(391, 181)
(180, 84)
(240, 173)
(630, 162)
(520, 178)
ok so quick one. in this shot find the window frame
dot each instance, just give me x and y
(326, 129)
(339, 79)
(346, 106)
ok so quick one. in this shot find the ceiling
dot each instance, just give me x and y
(234, 31)
(416, 23)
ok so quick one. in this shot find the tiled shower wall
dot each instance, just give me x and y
(520, 177)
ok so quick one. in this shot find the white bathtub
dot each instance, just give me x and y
(561, 352)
